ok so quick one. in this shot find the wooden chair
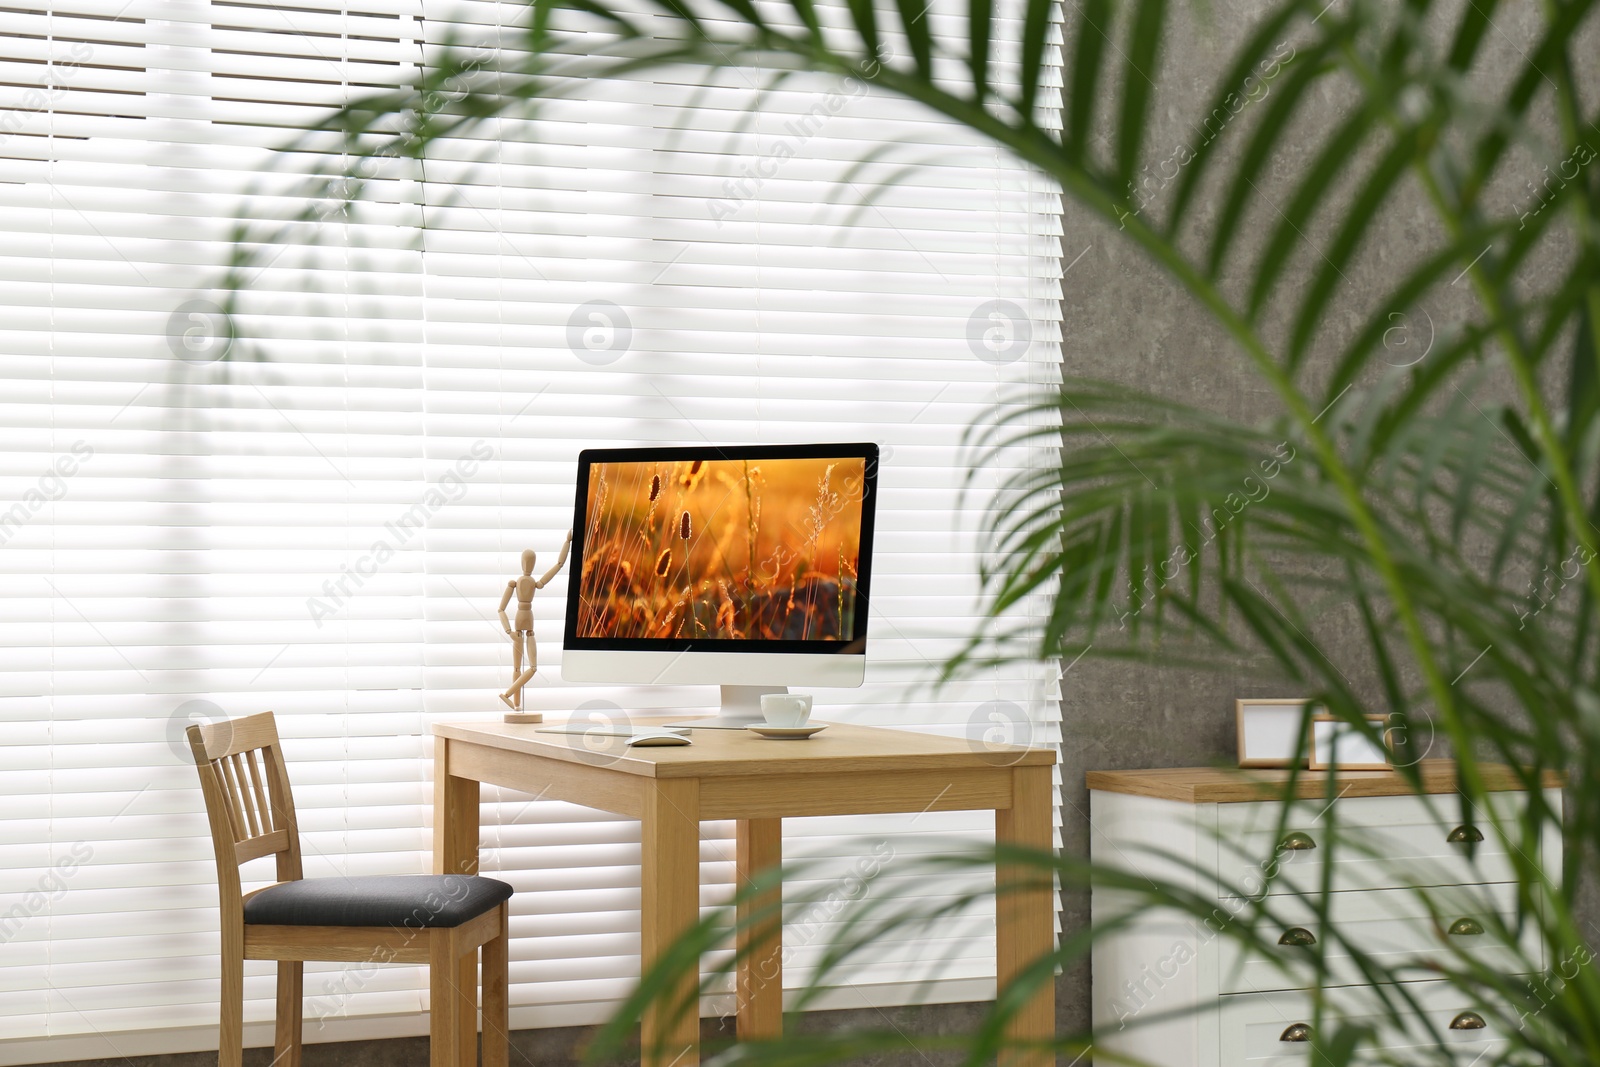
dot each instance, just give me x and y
(432, 919)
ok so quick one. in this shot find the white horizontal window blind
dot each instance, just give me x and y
(160, 572)
(324, 531)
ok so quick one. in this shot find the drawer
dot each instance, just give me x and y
(1392, 926)
(1256, 1029)
(1383, 843)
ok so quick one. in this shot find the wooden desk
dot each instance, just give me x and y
(733, 774)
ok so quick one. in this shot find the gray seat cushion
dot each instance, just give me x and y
(419, 901)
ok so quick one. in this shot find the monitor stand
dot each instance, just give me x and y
(741, 707)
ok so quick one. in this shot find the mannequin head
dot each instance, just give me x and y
(528, 559)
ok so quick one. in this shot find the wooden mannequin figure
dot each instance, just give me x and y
(521, 631)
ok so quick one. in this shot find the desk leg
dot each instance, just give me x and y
(760, 843)
(670, 862)
(455, 816)
(455, 851)
(1025, 919)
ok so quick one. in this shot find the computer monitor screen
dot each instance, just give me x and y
(753, 550)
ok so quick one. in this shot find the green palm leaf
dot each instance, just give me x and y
(1425, 501)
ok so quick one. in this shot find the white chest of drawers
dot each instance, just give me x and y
(1174, 991)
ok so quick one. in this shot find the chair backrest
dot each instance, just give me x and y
(248, 802)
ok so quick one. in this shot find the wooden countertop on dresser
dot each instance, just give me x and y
(1231, 785)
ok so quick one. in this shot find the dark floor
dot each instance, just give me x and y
(918, 1028)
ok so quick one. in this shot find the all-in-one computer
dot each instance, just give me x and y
(746, 567)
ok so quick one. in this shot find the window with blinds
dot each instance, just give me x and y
(324, 532)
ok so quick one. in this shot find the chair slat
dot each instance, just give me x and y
(254, 759)
(245, 796)
(230, 803)
(253, 762)
(259, 819)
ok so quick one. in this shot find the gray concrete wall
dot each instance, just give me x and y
(1127, 322)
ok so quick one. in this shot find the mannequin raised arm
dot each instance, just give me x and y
(566, 546)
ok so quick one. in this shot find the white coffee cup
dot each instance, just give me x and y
(787, 710)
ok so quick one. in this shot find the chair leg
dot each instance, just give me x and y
(291, 1014)
(444, 1011)
(230, 1036)
(496, 998)
(466, 987)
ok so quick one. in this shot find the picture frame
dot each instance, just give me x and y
(1336, 743)
(1269, 731)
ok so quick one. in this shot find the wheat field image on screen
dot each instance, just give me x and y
(722, 549)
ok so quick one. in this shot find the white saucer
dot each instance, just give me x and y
(787, 733)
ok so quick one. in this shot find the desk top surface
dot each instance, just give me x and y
(1226, 785)
(718, 753)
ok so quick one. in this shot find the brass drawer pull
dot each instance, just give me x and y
(1302, 1032)
(1298, 935)
(1297, 842)
(1465, 834)
(1468, 1020)
(1466, 928)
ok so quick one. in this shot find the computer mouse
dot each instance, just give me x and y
(657, 739)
